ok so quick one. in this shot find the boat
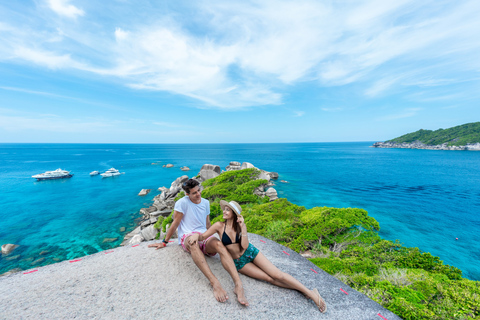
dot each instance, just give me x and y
(56, 174)
(94, 173)
(112, 172)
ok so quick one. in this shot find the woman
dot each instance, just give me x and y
(248, 260)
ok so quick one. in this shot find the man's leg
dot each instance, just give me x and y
(213, 245)
(199, 259)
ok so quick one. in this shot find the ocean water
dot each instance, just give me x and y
(423, 198)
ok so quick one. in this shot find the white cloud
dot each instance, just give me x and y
(120, 34)
(337, 109)
(64, 8)
(298, 113)
(244, 54)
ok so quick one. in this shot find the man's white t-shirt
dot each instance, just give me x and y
(194, 216)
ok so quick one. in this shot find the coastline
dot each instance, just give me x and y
(420, 145)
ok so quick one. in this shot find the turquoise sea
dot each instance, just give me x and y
(424, 198)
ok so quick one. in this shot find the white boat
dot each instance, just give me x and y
(94, 173)
(56, 174)
(112, 172)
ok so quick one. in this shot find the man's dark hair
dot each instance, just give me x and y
(189, 185)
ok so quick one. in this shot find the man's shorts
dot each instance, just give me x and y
(202, 244)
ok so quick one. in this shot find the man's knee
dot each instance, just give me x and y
(193, 247)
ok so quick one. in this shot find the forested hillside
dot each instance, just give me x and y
(456, 136)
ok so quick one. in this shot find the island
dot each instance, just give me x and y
(463, 137)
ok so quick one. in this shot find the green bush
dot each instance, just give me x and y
(411, 283)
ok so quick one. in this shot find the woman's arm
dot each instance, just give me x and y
(243, 227)
(200, 237)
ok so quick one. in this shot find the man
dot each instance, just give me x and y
(192, 215)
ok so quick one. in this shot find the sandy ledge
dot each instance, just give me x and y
(142, 283)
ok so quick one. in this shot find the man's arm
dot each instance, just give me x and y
(177, 217)
(208, 222)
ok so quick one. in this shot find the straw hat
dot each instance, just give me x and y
(232, 205)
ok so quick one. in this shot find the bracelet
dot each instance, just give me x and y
(165, 241)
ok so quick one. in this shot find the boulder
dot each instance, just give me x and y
(109, 240)
(273, 175)
(7, 248)
(247, 165)
(263, 176)
(179, 181)
(144, 192)
(209, 171)
(162, 189)
(272, 194)
(122, 229)
(169, 165)
(164, 213)
(149, 233)
(231, 168)
(235, 163)
(136, 239)
(185, 168)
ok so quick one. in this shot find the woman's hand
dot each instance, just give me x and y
(193, 238)
(240, 220)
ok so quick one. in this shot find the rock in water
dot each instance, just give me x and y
(144, 192)
(7, 248)
(169, 165)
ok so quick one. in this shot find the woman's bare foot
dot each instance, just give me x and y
(241, 295)
(322, 306)
(219, 293)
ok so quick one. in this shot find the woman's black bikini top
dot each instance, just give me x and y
(226, 239)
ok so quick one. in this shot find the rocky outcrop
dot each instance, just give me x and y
(234, 165)
(272, 194)
(144, 192)
(209, 171)
(273, 175)
(421, 145)
(246, 165)
(169, 165)
(185, 168)
(7, 248)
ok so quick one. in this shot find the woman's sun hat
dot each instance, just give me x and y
(232, 205)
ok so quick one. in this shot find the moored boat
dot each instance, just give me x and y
(112, 172)
(94, 173)
(56, 174)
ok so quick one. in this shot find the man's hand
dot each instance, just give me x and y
(193, 238)
(157, 245)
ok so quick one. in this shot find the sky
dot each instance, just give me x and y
(138, 71)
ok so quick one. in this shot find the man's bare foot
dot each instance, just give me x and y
(322, 306)
(241, 295)
(219, 293)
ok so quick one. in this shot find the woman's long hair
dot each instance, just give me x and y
(235, 224)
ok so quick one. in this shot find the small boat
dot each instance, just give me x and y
(56, 174)
(112, 172)
(94, 173)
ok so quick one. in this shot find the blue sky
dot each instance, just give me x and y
(139, 71)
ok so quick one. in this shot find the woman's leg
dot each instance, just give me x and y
(263, 269)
